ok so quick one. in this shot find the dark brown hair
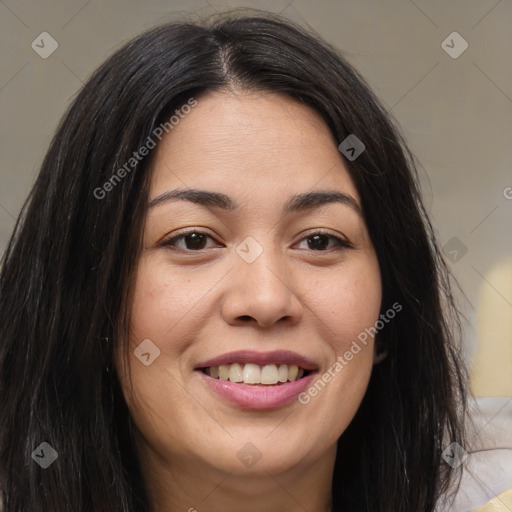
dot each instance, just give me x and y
(67, 272)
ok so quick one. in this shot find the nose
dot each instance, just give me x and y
(262, 292)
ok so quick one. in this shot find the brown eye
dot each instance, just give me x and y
(324, 241)
(318, 242)
(195, 241)
(191, 241)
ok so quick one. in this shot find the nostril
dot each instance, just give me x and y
(245, 317)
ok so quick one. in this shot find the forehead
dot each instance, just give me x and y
(250, 144)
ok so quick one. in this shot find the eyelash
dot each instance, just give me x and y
(169, 242)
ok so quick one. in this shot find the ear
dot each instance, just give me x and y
(379, 357)
(379, 350)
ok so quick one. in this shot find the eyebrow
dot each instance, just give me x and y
(296, 203)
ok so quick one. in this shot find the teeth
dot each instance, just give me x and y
(282, 373)
(250, 373)
(223, 372)
(269, 374)
(235, 373)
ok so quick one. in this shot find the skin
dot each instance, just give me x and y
(258, 148)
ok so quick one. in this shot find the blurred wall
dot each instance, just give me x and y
(444, 69)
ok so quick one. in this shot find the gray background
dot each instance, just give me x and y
(455, 114)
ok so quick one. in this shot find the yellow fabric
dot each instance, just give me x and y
(502, 503)
(491, 375)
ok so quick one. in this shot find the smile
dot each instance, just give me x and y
(252, 380)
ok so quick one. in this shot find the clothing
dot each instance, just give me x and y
(486, 482)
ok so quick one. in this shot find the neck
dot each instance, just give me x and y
(194, 486)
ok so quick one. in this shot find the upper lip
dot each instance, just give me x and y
(260, 358)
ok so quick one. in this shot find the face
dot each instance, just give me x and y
(250, 291)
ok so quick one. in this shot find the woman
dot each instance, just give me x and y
(224, 292)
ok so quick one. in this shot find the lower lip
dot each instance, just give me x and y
(247, 396)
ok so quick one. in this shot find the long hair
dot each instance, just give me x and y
(67, 276)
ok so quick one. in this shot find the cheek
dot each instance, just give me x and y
(347, 303)
(164, 309)
(164, 301)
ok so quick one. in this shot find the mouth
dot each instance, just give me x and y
(252, 380)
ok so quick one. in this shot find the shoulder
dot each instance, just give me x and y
(486, 460)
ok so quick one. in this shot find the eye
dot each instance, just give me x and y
(195, 240)
(190, 241)
(320, 241)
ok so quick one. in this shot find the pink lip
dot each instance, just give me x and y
(260, 358)
(258, 396)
